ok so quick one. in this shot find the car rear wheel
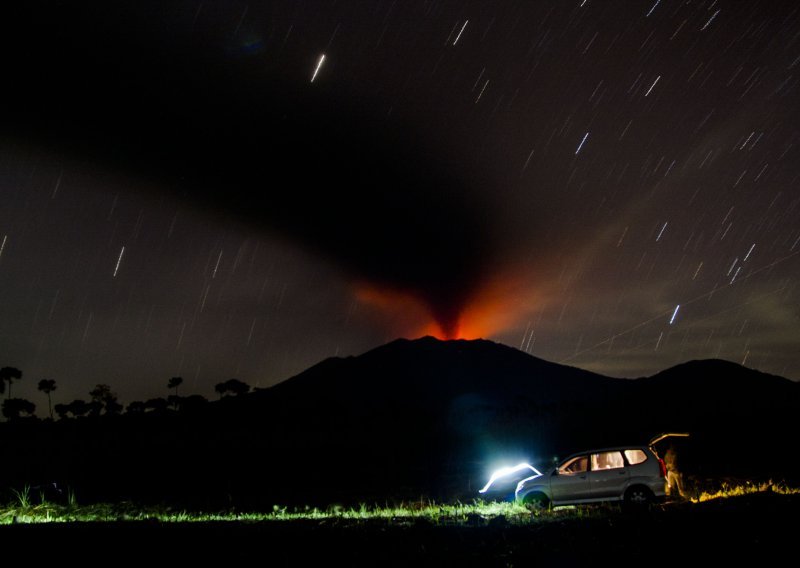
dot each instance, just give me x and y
(638, 496)
(536, 502)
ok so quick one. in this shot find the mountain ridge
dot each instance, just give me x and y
(394, 356)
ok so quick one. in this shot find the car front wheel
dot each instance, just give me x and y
(536, 502)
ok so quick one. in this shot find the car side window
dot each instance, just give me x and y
(607, 460)
(576, 465)
(635, 456)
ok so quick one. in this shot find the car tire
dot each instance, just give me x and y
(638, 497)
(536, 502)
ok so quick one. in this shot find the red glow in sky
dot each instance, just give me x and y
(494, 308)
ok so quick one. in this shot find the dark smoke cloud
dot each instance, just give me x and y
(170, 97)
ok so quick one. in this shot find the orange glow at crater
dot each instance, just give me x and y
(494, 308)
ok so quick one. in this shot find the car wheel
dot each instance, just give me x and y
(638, 496)
(536, 502)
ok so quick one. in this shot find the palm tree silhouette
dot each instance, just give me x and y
(47, 386)
(174, 383)
(9, 374)
(173, 399)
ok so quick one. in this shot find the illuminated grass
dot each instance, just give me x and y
(24, 512)
(738, 490)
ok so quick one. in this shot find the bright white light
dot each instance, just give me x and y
(319, 65)
(502, 472)
(675, 313)
(523, 482)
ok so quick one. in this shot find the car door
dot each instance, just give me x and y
(570, 482)
(608, 475)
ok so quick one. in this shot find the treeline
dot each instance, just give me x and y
(103, 401)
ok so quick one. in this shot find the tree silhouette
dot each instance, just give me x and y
(9, 374)
(14, 408)
(174, 400)
(192, 402)
(77, 408)
(220, 389)
(174, 383)
(135, 407)
(233, 387)
(47, 386)
(103, 399)
(62, 410)
(157, 405)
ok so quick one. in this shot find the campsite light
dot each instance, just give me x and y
(504, 471)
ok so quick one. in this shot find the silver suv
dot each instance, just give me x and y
(633, 474)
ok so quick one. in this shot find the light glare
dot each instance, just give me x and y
(502, 472)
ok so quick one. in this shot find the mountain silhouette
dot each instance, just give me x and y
(437, 376)
(414, 418)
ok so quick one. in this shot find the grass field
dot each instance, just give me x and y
(740, 524)
(27, 507)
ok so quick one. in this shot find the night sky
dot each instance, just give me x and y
(230, 189)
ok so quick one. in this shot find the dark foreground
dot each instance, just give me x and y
(754, 528)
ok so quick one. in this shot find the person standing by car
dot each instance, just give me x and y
(674, 477)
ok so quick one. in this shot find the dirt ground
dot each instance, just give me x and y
(756, 528)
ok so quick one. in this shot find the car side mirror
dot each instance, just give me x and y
(555, 472)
